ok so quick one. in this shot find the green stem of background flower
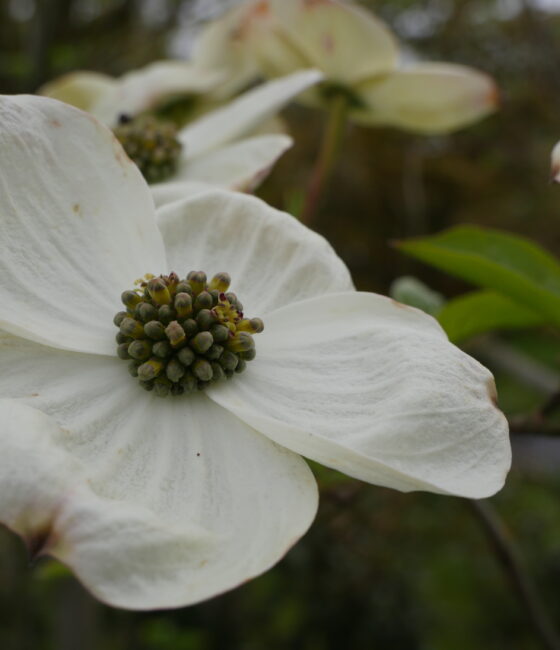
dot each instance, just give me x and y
(510, 558)
(328, 153)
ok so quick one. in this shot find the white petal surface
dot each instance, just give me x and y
(146, 88)
(271, 257)
(429, 98)
(172, 191)
(152, 502)
(374, 389)
(82, 89)
(238, 118)
(78, 225)
(238, 166)
(341, 39)
(217, 47)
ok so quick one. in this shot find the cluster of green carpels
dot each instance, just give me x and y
(181, 335)
(150, 143)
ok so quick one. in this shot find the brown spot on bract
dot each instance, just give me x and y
(328, 43)
(54, 122)
(77, 208)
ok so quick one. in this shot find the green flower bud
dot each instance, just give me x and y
(201, 342)
(214, 352)
(190, 327)
(228, 360)
(166, 314)
(158, 291)
(240, 342)
(121, 338)
(175, 333)
(183, 305)
(162, 349)
(150, 369)
(119, 317)
(219, 332)
(203, 301)
(155, 330)
(130, 299)
(186, 356)
(205, 319)
(145, 312)
(217, 371)
(131, 327)
(122, 351)
(220, 281)
(197, 280)
(202, 370)
(188, 382)
(174, 370)
(140, 350)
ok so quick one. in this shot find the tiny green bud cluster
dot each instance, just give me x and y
(151, 144)
(179, 336)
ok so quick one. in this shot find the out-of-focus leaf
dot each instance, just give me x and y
(414, 292)
(484, 311)
(509, 264)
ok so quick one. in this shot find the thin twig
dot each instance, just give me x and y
(324, 164)
(511, 560)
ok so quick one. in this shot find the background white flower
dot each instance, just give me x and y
(221, 147)
(164, 502)
(358, 55)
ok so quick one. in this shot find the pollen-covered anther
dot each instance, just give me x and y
(150, 143)
(179, 336)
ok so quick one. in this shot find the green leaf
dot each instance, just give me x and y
(509, 264)
(484, 311)
(414, 292)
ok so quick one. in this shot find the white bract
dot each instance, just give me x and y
(219, 148)
(359, 58)
(162, 502)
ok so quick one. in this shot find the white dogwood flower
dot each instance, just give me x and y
(359, 57)
(219, 148)
(160, 501)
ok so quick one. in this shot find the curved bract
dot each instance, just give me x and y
(165, 502)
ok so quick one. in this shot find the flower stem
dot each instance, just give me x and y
(511, 560)
(330, 146)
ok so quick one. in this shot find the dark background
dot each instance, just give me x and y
(378, 569)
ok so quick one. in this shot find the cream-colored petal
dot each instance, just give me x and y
(78, 225)
(217, 47)
(343, 40)
(555, 163)
(242, 165)
(82, 89)
(373, 388)
(152, 502)
(241, 116)
(149, 87)
(429, 98)
(172, 191)
(273, 259)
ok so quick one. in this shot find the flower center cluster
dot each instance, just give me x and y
(179, 336)
(150, 143)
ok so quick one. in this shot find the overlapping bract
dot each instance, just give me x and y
(358, 56)
(162, 503)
